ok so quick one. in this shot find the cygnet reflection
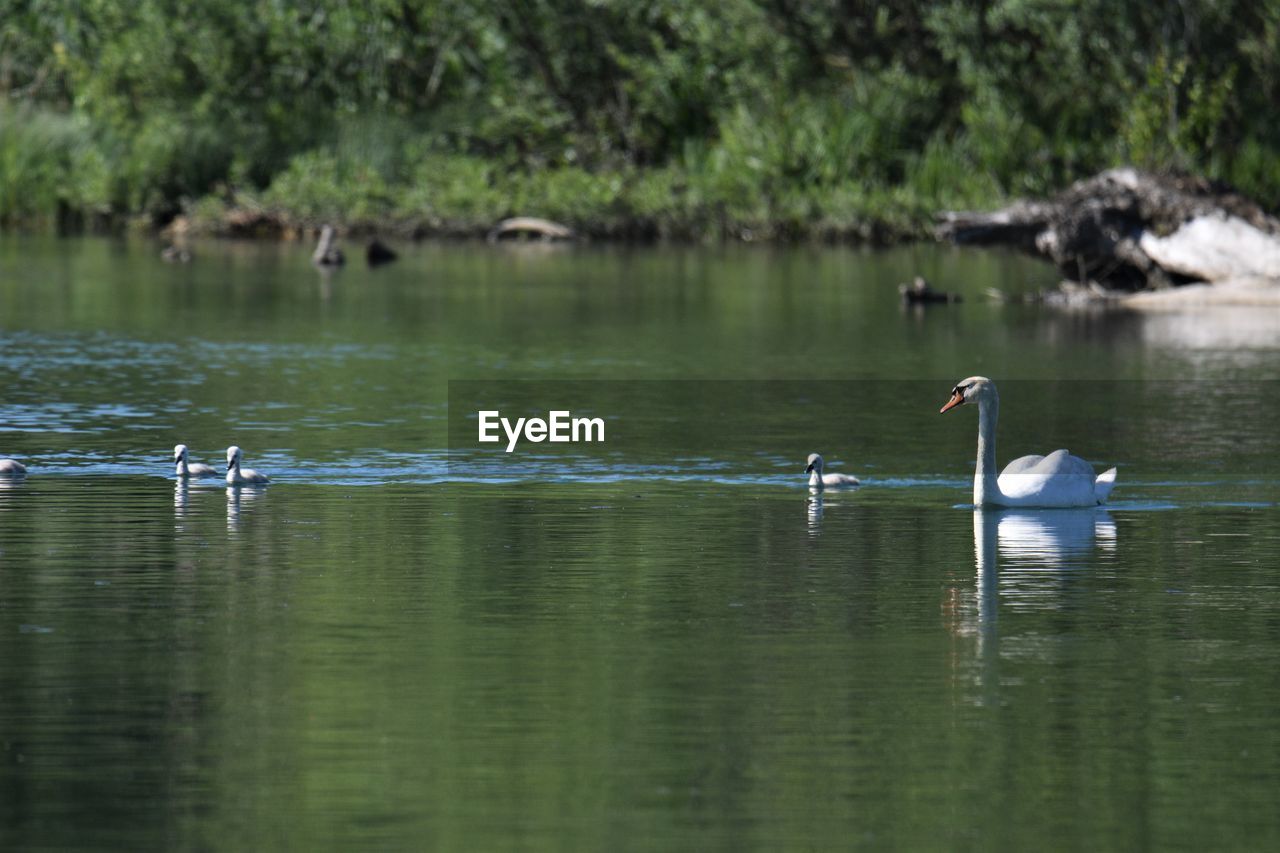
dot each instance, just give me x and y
(813, 508)
(239, 501)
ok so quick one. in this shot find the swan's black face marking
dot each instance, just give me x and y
(956, 399)
(809, 470)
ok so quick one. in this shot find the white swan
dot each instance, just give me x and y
(237, 476)
(819, 480)
(185, 468)
(12, 468)
(1056, 480)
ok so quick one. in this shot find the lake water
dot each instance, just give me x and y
(661, 642)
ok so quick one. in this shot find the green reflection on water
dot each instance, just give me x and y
(460, 666)
(631, 664)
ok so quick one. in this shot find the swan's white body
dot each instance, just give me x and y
(1056, 480)
(12, 468)
(820, 481)
(185, 468)
(237, 476)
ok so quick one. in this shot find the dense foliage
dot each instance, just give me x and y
(773, 117)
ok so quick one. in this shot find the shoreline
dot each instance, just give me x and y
(281, 226)
(1193, 298)
(253, 222)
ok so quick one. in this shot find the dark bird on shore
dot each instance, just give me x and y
(379, 253)
(918, 292)
(327, 253)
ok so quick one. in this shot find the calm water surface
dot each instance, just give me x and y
(663, 643)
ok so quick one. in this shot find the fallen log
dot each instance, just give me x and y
(1132, 231)
(327, 253)
(530, 226)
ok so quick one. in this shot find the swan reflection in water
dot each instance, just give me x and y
(183, 492)
(1025, 559)
(1033, 549)
(240, 498)
(10, 487)
(813, 507)
(1037, 549)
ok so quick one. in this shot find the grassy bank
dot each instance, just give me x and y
(759, 119)
(788, 182)
(712, 197)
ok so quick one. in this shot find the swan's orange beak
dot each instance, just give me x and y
(957, 399)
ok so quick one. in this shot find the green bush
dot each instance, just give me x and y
(49, 166)
(323, 187)
(462, 191)
(639, 116)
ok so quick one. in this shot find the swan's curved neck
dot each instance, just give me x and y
(815, 479)
(182, 466)
(986, 490)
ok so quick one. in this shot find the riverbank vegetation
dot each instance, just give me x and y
(759, 119)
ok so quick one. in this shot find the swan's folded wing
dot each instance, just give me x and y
(1021, 464)
(1058, 479)
(1060, 463)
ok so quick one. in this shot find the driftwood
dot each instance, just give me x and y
(1131, 231)
(327, 253)
(530, 226)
